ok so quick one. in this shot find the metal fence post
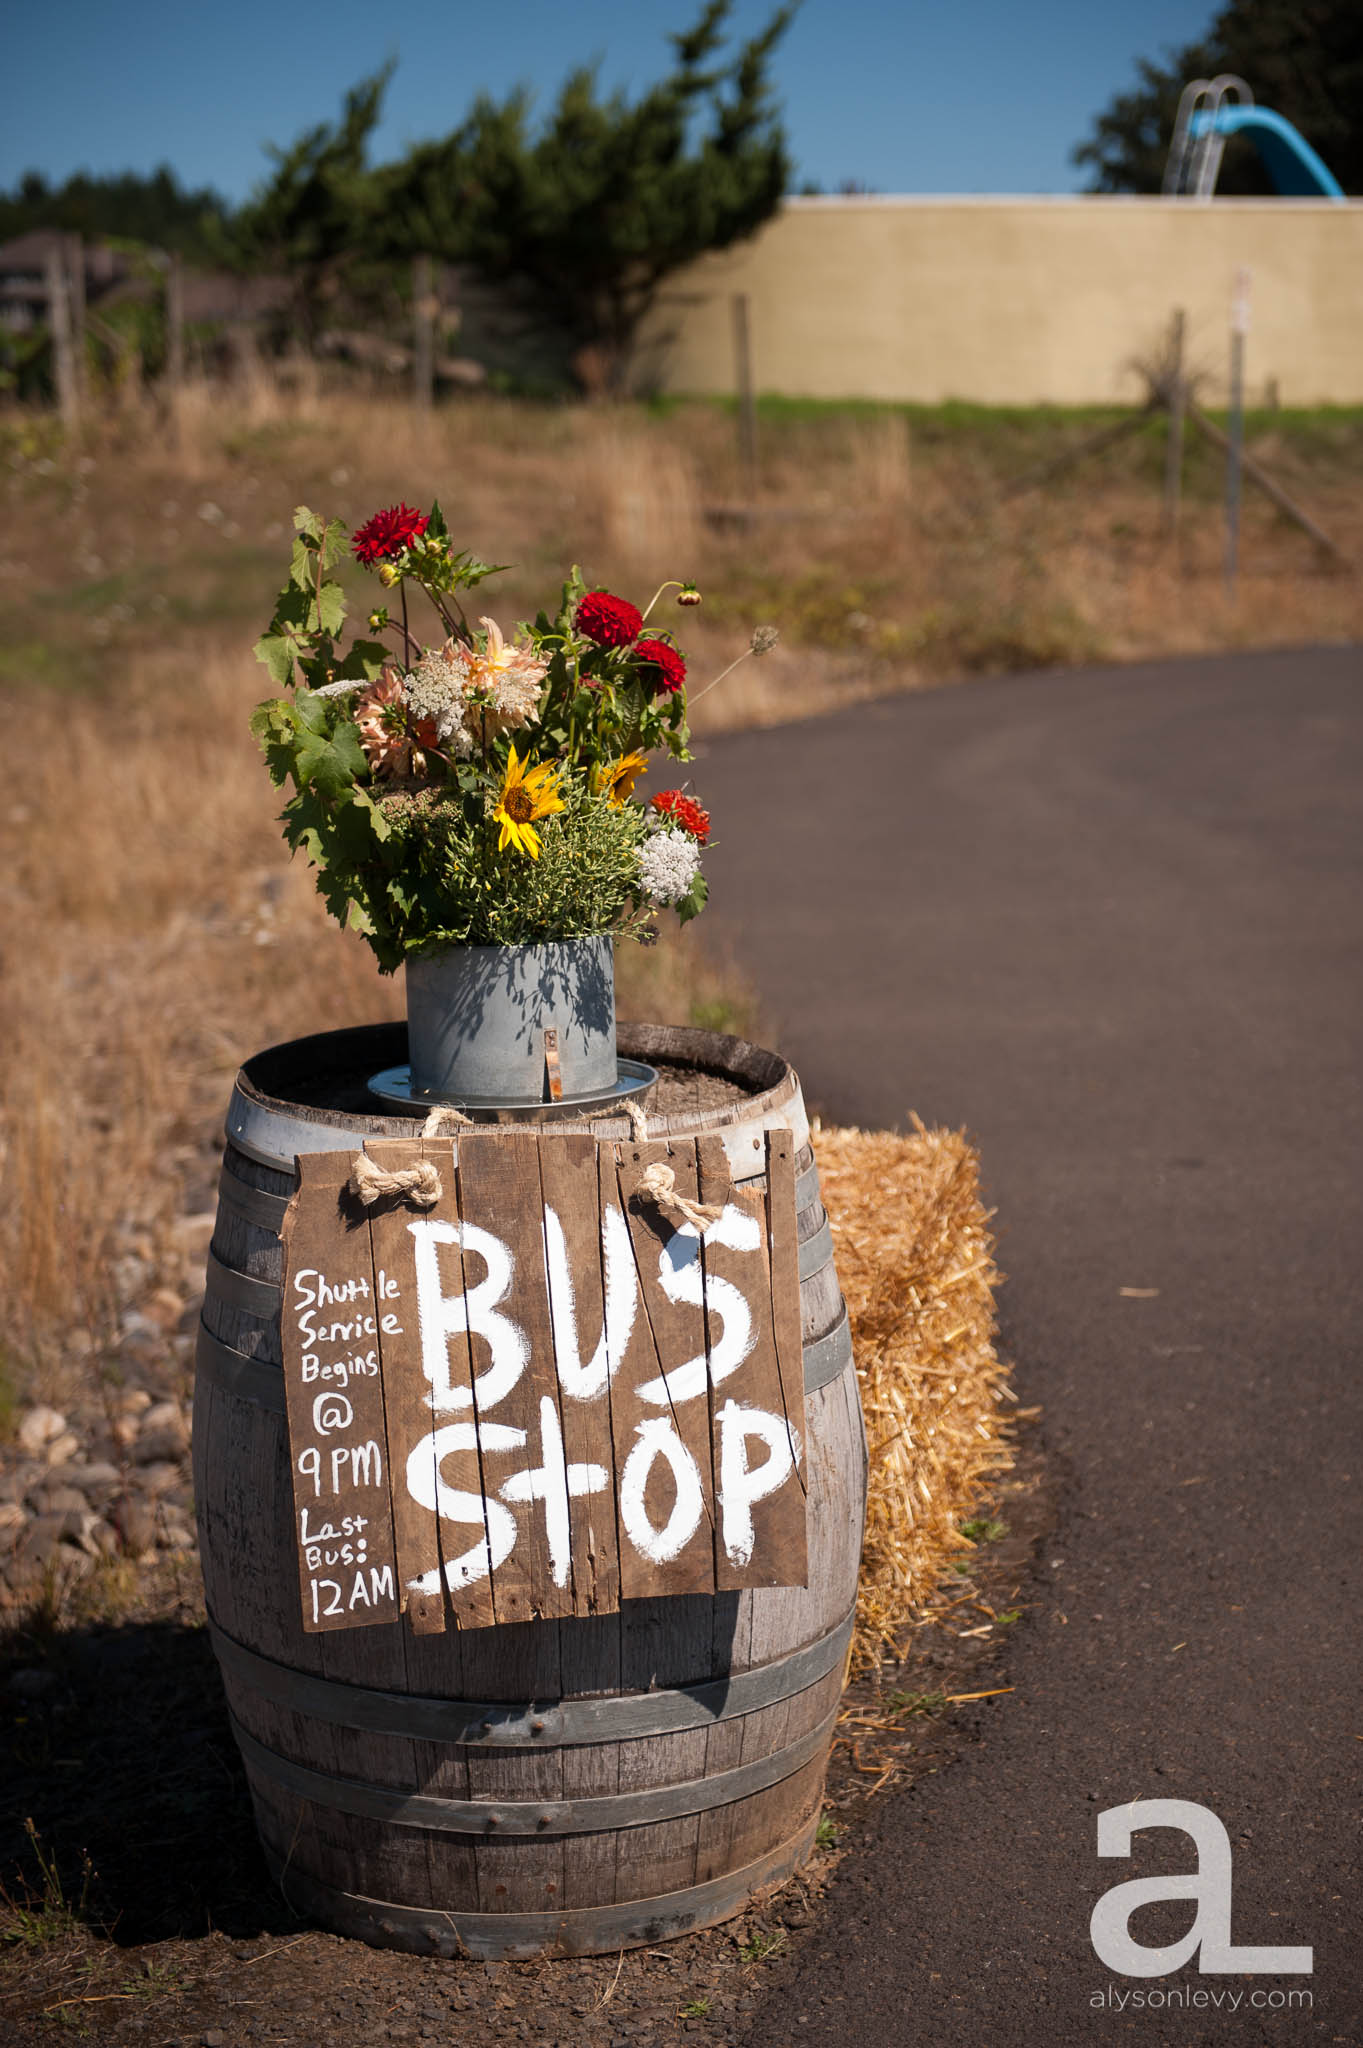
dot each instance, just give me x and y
(1239, 328)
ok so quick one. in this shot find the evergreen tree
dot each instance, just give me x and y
(125, 207)
(1302, 58)
(586, 218)
(316, 217)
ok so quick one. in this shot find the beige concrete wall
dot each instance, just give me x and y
(1018, 301)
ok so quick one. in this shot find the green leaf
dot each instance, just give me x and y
(358, 828)
(694, 901)
(364, 659)
(307, 824)
(318, 539)
(303, 570)
(275, 727)
(276, 651)
(468, 571)
(378, 823)
(436, 529)
(328, 613)
(270, 715)
(329, 757)
(334, 542)
(292, 608)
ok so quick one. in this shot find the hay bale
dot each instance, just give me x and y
(916, 1261)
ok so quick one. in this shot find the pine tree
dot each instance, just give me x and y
(586, 218)
(1303, 58)
(125, 206)
(316, 217)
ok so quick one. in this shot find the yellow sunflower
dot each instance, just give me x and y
(615, 779)
(527, 793)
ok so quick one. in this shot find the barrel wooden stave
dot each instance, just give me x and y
(478, 1872)
(399, 1882)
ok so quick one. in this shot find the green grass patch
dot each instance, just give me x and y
(154, 1980)
(916, 1706)
(77, 635)
(1010, 439)
(761, 1947)
(955, 416)
(45, 1914)
(728, 1014)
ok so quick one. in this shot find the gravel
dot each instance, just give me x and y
(103, 1471)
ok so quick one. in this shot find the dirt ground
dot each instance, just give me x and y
(138, 1909)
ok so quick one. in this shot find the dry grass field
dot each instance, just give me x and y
(154, 930)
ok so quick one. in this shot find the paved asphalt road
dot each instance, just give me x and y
(1110, 921)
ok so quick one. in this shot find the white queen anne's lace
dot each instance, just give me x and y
(668, 864)
(437, 689)
(472, 694)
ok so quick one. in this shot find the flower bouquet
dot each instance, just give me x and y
(467, 797)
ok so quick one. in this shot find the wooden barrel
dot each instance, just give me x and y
(566, 1786)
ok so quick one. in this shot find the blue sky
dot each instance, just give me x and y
(904, 95)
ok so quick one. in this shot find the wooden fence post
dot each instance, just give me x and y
(59, 327)
(75, 284)
(747, 404)
(423, 338)
(1173, 447)
(175, 331)
(1239, 328)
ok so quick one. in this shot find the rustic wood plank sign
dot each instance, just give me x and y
(330, 1332)
(534, 1378)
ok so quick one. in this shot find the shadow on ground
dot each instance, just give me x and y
(115, 1746)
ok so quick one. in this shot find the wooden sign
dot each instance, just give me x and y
(540, 1375)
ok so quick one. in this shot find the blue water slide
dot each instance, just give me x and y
(1297, 172)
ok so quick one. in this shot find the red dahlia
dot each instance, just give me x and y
(683, 810)
(387, 534)
(610, 621)
(669, 670)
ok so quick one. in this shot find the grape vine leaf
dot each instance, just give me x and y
(328, 756)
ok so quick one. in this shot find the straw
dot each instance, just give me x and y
(916, 1262)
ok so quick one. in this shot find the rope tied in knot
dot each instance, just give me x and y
(658, 1183)
(442, 1114)
(370, 1182)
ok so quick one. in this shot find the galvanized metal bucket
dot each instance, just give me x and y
(504, 1024)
